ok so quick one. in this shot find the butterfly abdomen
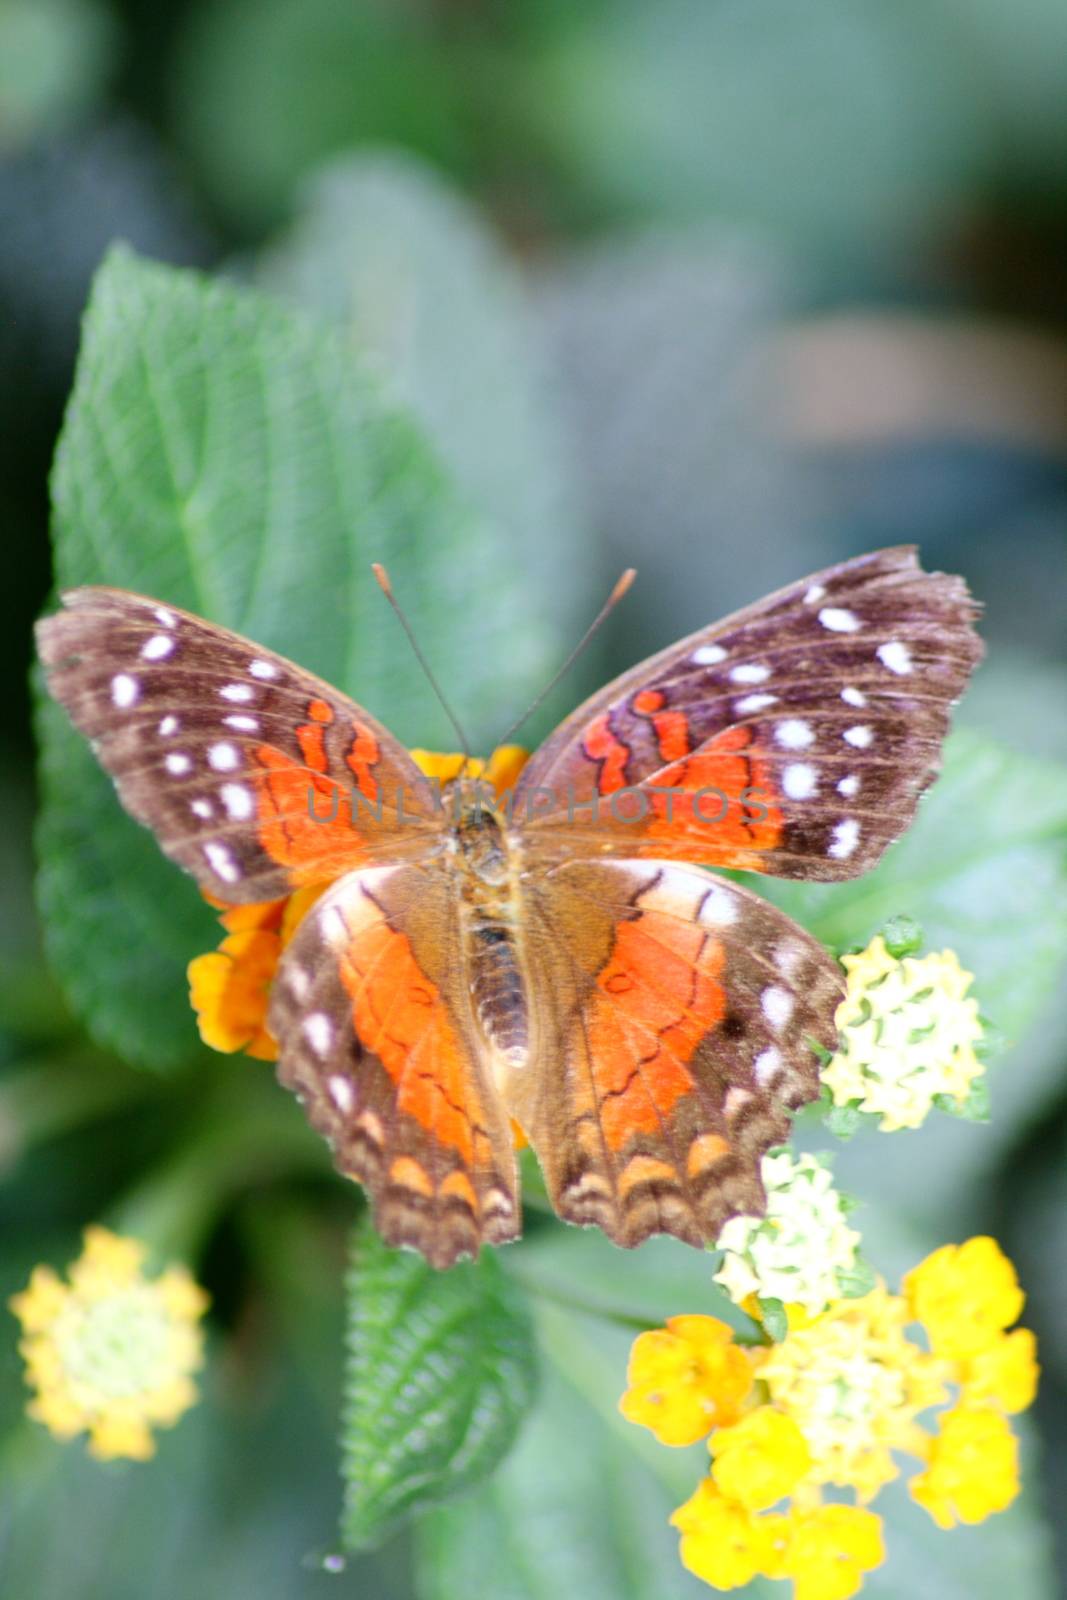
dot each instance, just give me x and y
(497, 989)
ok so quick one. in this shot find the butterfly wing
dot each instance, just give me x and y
(254, 775)
(673, 1021)
(376, 1037)
(793, 738)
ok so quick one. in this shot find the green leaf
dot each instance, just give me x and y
(903, 936)
(572, 1512)
(857, 1280)
(230, 456)
(772, 1316)
(845, 1121)
(983, 869)
(973, 1108)
(441, 1371)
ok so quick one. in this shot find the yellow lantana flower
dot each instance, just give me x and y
(964, 1296)
(686, 1379)
(722, 1542)
(1005, 1373)
(229, 988)
(854, 1383)
(829, 1549)
(973, 1467)
(834, 1402)
(760, 1460)
(110, 1352)
(907, 1032)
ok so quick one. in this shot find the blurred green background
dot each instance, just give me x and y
(725, 289)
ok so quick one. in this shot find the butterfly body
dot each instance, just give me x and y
(555, 956)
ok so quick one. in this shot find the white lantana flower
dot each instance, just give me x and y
(799, 1251)
(907, 1035)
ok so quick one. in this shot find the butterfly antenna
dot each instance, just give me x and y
(622, 585)
(385, 585)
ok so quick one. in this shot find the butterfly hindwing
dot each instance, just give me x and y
(674, 1021)
(376, 1038)
(794, 738)
(254, 775)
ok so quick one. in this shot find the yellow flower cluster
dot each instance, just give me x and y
(907, 1033)
(110, 1352)
(831, 1405)
(229, 988)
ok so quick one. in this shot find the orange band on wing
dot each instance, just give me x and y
(313, 846)
(399, 1015)
(659, 996)
(671, 727)
(730, 832)
(361, 758)
(601, 744)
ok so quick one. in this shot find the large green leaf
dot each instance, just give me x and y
(441, 1371)
(233, 457)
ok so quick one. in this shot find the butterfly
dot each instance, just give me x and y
(564, 961)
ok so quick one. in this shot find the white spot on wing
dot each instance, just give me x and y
(859, 736)
(298, 981)
(754, 702)
(220, 858)
(202, 808)
(719, 907)
(224, 757)
(896, 656)
(799, 780)
(160, 645)
(168, 726)
(845, 838)
(236, 691)
(794, 734)
(750, 672)
(333, 927)
(814, 594)
(853, 697)
(242, 724)
(262, 669)
(318, 1030)
(837, 620)
(777, 1006)
(238, 801)
(849, 785)
(787, 958)
(124, 690)
(766, 1064)
(341, 1092)
(709, 655)
(167, 618)
(178, 764)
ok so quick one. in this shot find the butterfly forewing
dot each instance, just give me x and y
(254, 775)
(794, 738)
